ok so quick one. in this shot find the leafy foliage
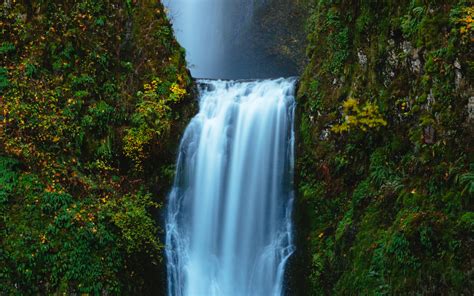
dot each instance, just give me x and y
(364, 118)
(79, 119)
(395, 213)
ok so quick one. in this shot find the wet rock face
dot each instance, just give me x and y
(272, 44)
(362, 58)
(470, 108)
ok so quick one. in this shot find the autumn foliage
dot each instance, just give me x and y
(89, 92)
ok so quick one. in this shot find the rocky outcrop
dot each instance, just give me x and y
(386, 209)
(94, 96)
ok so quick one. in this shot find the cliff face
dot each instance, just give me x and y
(269, 43)
(385, 162)
(93, 96)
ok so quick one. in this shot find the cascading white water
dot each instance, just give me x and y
(228, 224)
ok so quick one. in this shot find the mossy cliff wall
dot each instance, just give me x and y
(95, 94)
(93, 97)
(385, 172)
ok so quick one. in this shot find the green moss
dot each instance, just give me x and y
(77, 199)
(394, 216)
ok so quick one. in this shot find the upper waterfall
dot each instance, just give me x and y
(207, 30)
(231, 39)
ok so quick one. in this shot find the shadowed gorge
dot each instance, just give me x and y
(236, 147)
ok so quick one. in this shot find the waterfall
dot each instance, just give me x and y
(228, 224)
(198, 26)
(228, 221)
(211, 29)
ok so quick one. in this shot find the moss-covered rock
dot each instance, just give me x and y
(93, 96)
(382, 208)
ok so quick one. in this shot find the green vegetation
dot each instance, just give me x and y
(386, 181)
(93, 97)
(354, 117)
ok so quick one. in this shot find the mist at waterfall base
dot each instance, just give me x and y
(221, 39)
(228, 224)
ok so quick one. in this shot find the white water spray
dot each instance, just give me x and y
(228, 224)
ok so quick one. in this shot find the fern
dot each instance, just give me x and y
(467, 180)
